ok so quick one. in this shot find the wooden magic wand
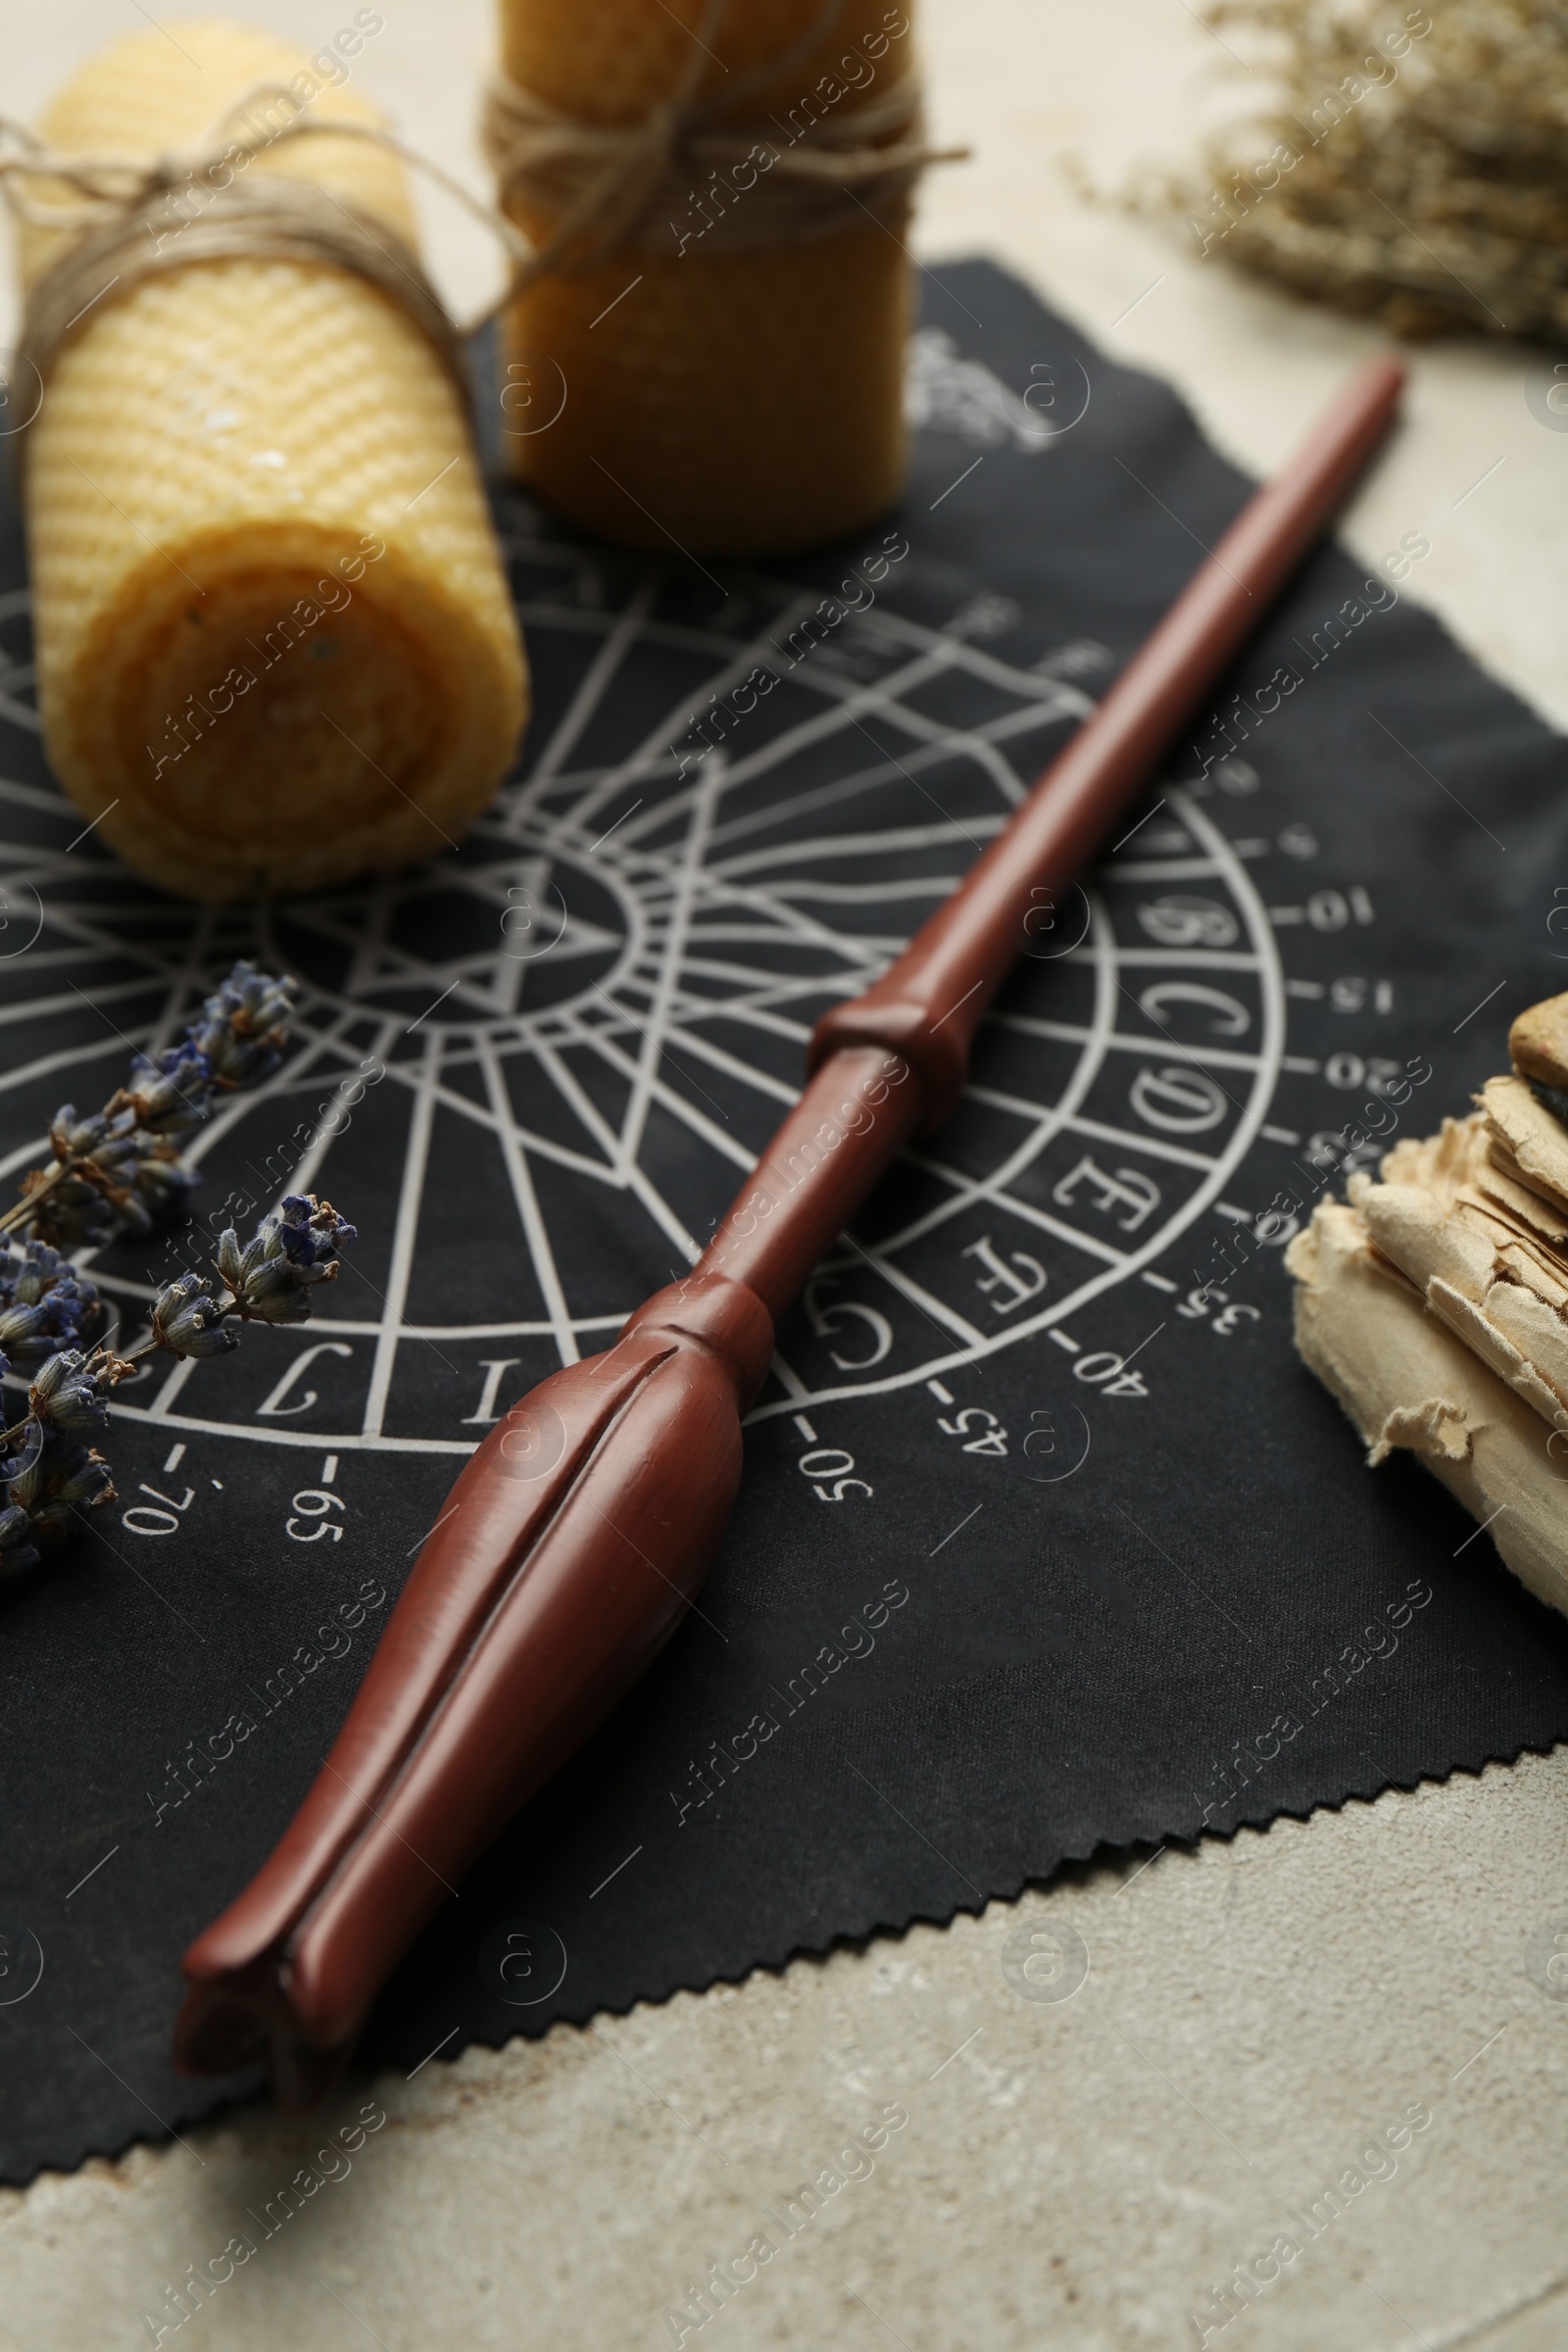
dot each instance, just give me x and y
(578, 1533)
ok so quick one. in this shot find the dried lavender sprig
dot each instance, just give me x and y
(268, 1280)
(52, 1477)
(45, 1305)
(120, 1169)
(49, 1477)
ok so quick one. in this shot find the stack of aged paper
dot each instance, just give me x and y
(1434, 1303)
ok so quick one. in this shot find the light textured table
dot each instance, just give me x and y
(1073, 2174)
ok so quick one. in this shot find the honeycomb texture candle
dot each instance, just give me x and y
(275, 643)
(717, 400)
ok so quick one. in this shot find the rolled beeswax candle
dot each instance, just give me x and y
(275, 643)
(731, 377)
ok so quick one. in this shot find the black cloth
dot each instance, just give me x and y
(1039, 1549)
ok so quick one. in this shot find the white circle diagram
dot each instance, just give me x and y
(570, 1040)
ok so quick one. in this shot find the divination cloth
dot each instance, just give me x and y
(1045, 1540)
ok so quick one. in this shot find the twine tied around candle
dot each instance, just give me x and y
(603, 184)
(119, 207)
(606, 186)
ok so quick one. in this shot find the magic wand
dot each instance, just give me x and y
(576, 1537)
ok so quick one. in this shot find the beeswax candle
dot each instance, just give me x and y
(275, 643)
(731, 367)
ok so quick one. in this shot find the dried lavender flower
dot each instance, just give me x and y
(187, 1320)
(65, 1479)
(25, 1334)
(106, 1141)
(293, 1250)
(244, 1025)
(173, 1093)
(120, 1169)
(160, 1187)
(93, 1159)
(70, 1393)
(44, 1306)
(17, 1547)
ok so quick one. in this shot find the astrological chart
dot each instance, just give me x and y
(594, 1014)
(1042, 1387)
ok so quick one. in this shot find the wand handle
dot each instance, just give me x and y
(579, 1532)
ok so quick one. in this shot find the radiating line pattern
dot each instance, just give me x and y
(590, 1019)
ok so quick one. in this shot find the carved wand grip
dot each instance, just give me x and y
(576, 1537)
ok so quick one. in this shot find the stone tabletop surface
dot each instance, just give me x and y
(1073, 2174)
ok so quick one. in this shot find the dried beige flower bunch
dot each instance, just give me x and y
(1411, 165)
